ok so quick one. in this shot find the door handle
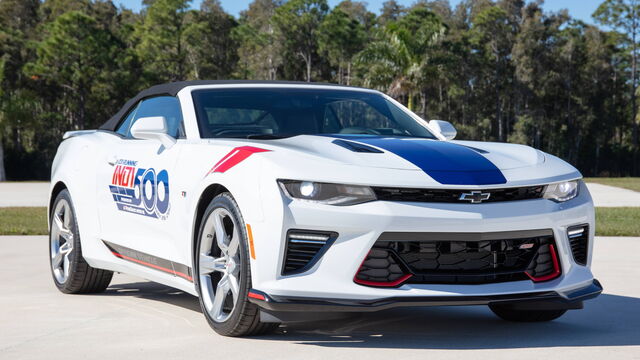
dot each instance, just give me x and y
(112, 160)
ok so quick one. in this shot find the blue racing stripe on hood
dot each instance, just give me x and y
(445, 162)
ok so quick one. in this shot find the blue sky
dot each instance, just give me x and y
(580, 9)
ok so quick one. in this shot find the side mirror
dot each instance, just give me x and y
(153, 128)
(445, 128)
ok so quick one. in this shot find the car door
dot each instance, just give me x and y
(134, 182)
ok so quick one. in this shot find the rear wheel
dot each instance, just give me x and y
(223, 273)
(71, 273)
(508, 313)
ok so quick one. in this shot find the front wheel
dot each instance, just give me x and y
(71, 273)
(508, 313)
(223, 273)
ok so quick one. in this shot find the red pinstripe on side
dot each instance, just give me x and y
(170, 271)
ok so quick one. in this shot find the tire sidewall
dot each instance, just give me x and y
(76, 253)
(227, 202)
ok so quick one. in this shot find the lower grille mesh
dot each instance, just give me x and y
(465, 261)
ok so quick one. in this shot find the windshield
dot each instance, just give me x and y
(272, 113)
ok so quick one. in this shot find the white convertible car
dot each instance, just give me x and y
(272, 201)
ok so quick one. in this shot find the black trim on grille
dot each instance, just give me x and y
(453, 195)
(461, 258)
(300, 255)
(579, 243)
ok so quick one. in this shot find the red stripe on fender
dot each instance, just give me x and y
(234, 157)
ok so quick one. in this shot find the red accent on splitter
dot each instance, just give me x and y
(394, 283)
(256, 296)
(234, 157)
(556, 267)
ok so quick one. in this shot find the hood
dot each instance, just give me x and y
(451, 163)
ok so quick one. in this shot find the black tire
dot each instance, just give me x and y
(508, 313)
(244, 319)
(80, 277)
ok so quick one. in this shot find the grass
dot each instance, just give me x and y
(621, 221)
(23, 221)
(631, 183)
(618, 221)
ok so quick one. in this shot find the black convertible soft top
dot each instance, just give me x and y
(171, 89)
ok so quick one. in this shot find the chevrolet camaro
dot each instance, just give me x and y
(272, 201)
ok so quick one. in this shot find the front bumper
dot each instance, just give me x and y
(358, 228)
(545, 300)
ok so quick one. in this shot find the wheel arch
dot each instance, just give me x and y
(57, 189)
(208, 194)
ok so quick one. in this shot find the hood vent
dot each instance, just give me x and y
(357, 147)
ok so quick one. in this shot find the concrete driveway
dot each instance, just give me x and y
(24, 194)
(137, 319)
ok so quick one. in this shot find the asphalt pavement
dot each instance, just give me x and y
(137, 319)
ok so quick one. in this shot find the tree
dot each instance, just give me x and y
(73, 56)
(161, 40)
(493, 35)
(260, 49)
(624, 15)
(390, 11)
(210, 46)
(298, 22)
(341, 37)
(18, 18)
(399, 61)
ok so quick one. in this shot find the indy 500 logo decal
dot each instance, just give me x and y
(140, 191)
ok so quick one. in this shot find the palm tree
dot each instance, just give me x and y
(399, 62)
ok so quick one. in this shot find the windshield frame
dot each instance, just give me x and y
(188, 94)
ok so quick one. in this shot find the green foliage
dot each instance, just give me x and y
(341, 37)
(23, 221)
(161, 40)
(499, 70)
(621, 221)
(33, 221)
(297, 21)
(631, 183)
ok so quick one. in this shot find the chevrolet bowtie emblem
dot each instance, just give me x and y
(475, 197)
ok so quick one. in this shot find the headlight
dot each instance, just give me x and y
(325, 193)
(562, 191)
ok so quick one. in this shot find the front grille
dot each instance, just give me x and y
(579, 241)
(382, 268)
(461, 258)
(304, 248)
(453, 196)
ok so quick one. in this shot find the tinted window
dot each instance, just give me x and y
(123, 128)
(287, 112)
(167, 106)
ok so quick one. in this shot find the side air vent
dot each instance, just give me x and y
(357, 147)
(579, 241)
(304, 248)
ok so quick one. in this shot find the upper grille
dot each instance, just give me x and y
(453, 196)
(304, 248)
(579, 241)
(460, 258)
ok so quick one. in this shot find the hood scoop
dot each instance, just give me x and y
(357, 147)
